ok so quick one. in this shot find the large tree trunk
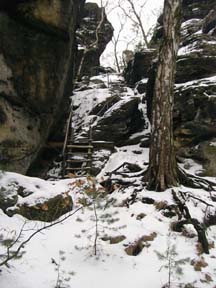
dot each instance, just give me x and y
(162, 171)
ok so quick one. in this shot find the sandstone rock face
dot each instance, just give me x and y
(196, 8)
(36, 72)
(86, 36)
(138, 67)
(113, 112)
(119, 122)
(195, 111)
(196, 56)
(195, 91)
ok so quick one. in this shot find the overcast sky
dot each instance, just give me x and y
(150, 13)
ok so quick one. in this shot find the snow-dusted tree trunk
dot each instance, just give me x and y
(162, 170)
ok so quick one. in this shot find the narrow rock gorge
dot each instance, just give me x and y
(38, 59)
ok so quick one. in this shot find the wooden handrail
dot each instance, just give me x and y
(67, 130)
(66, 139)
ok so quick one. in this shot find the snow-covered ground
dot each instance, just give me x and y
(65, 252)
(63, 256)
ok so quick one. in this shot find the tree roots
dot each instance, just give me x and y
(199, 227)
(192, 181)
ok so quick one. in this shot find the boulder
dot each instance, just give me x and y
(195, 111)
(113, 112)
(139, 66)
(37, 51)
(47, 211)
(119, 122)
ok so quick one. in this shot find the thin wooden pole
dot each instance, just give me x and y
(67, 133)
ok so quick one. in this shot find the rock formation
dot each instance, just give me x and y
(195, 108)
(195, 91)
(38, 55)
(35, 199)
(91, 44)
(36, 58)
(138, 67)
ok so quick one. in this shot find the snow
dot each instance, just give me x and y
(185, 50)
(85, 101)
(190, 22)
(70, 244)
(198, 83)
(111, 77)
(65, 252)
(192, 48)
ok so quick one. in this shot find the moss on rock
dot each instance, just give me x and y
(47, 211)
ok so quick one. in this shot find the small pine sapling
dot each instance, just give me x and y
(172, 264)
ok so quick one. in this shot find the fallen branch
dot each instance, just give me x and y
(10, 256)
(123, 174)
(124, 182)
(132, 167)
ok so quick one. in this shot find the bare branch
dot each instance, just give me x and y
(139, 21)
(135, 16)
(126, 13)
(10, 256)
(96, 228)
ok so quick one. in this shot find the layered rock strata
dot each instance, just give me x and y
(37, 50)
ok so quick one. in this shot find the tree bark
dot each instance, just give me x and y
(162, 171)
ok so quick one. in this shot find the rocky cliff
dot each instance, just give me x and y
(195, 91)
(91, 44)
(37, 42)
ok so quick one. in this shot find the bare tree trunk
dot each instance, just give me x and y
(115, 42)
(162, 171)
